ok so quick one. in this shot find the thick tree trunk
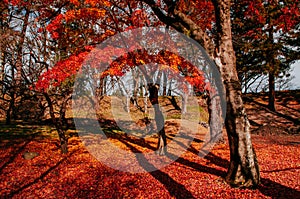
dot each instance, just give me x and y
(243, 170)
(159, 119)
(215, 119)
(271, 104)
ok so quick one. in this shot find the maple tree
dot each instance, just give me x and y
(25, 53)
(243, 170)
(95, 14)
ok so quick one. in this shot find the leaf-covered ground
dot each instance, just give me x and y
(79, 175)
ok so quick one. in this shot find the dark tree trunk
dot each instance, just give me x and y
(170, 88)
(136, 83)
(243, 170)
(16, 82)
(101, 87)
(271, 104)
(2, 66)
(159, 119)
(58, 125)
(165, 84)
(9, 110)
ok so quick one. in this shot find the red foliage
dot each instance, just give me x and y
(92, 12)
(282, 15)
(60, 72)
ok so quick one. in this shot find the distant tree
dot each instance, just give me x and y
(262, 31)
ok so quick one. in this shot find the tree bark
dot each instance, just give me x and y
(58, 125)
(272, 69)
(2, 67)
(16, 82)
(271, 104)
(136, 83)
(243, 170)
(165, 84)
(159, 119)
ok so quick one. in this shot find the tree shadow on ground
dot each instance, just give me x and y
(282, 100)
(175, 189)
(19, 142)
(13, 156)
(267, 187)
(285, 98)
(36, 180)
(294, 120)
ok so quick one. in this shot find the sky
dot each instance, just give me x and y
(296, 74)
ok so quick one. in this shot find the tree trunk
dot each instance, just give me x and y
(17, 81)
(243, 170)
(170, 88)
(20, 49)
(271, 104)
(159, 119)
(145, 95)
(184, 103)
(58, 125)
(9, 110)
(2, 66)
(165, 84)
(136, 83)
(100, 88)
(215, 119)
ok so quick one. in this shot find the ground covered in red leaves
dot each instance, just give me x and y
(79, 175)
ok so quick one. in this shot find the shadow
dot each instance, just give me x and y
(174, 103)
(221, 162)
(44, 174)
(278, 170)
(185, 137)
(17, 151)
(126, 140)
(294, 120)
(254, 124)
(276, 190)
(201, 168)
(284, 98)
(175, 189)
(267, 187)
